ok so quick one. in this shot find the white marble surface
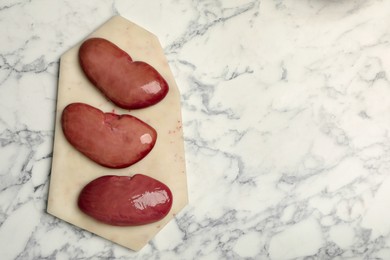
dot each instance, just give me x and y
(286, 112)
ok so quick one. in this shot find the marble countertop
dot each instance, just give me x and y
(286, 118)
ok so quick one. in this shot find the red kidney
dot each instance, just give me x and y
(127, 83)
(126, 201)
(111, 140)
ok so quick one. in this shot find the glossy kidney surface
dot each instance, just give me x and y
(127, 83)
(111, 140)
(125, 201)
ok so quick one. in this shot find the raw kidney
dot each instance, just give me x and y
(127, 83)
(111, 140)
(125, 201)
